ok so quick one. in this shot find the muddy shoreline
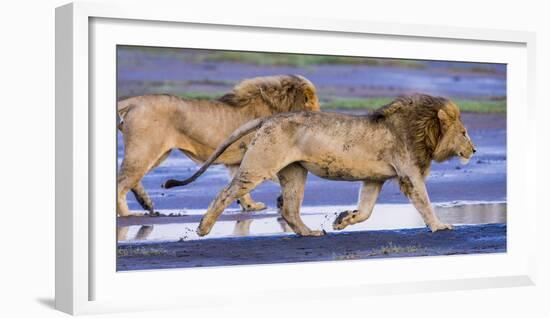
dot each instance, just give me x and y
(487, 238)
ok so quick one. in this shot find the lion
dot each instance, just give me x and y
(397, 141)
(153, 125)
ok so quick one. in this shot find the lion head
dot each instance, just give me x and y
(281, 93)
(454, 140)
(431, 125)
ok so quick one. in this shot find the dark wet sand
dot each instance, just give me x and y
(488, 238)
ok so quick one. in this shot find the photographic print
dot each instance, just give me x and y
(241, 158)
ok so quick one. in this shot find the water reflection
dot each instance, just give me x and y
(242, 227)
(385, 216)
(142, 234)
(472, 213)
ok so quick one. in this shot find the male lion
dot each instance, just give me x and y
(398, 141)
(153, 125)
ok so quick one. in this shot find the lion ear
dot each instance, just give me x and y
(443, 117)
(310, 97)
(307, 93)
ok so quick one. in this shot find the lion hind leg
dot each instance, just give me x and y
(246, 202)
(141, 195)
(242, 227)
(243, 183)
(368, 194)
(123, 186)
(144, 232)
(136, 163)
(143, 198)
(293, 179)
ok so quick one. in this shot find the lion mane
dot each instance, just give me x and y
(415, 117)
(280, 93)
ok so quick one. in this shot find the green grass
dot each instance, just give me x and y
(140, 251)
(200, 95)
(389, 249)
(392, 249)
(476, 106)
(288, 59)
(353, 103)
(476, 69)
(484, 106)
(302, 60)
(272, 59)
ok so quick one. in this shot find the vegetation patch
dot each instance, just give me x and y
(271, 59)
(393, 249)
(140, 252)
(477, 106)
(330, 102)
(301, 60)
(200, 95)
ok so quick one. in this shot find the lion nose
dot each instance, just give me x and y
(474, 150)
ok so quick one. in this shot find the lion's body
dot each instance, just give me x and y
(397, 141)
(153, 125)
(332, 154)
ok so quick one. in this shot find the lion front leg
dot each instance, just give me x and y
(143, 198)
(367, 198)
(415, 189)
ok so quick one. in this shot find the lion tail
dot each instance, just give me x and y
(123, 107)
(236, 135)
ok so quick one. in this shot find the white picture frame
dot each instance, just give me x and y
(85, 282)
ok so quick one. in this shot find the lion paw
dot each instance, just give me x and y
(253, 206)
(344, 219)
(203, 229)
(132, 214)
(314, 233)
(440, 227)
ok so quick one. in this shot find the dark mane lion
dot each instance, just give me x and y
(416, 118)
(397, 141)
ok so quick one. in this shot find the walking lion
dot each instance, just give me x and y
(153, 125)
(397, 141)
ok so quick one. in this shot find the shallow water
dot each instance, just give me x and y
(235, 223)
